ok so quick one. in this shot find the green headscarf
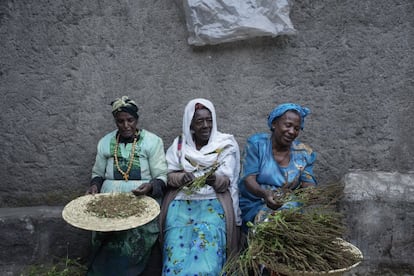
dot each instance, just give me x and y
(124, 104)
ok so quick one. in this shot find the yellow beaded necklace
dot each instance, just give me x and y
(125, 175)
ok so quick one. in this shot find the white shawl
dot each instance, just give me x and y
(229, 158)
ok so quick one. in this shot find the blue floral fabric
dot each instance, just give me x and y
(195, 238)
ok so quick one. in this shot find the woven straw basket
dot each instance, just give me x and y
(336, 272)
(75, 214)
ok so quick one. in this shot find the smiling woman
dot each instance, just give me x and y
(201, 126)
(198, 221)
(275, 162)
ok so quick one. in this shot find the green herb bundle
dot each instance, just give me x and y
(199, 182)
(294, 240)
(325, 196)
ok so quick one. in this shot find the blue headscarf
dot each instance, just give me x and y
(281, 109)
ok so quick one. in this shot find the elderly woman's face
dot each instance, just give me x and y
(286, 128)
(202, 124)
(126, 123)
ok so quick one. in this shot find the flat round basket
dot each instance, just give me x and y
(76, 214)
(336, 272)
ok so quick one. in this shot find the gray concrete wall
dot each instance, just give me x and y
(38, 235)
(62, 62)
(379, 212)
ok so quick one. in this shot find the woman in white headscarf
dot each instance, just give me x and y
(199, 226)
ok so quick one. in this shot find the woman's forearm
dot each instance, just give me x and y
(254, 187)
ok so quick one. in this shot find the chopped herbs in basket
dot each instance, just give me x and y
(291, 240)
(117, 205)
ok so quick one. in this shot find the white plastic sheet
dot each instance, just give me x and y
(218, 21)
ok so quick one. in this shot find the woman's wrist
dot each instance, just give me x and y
(156, 187)
(97, 181)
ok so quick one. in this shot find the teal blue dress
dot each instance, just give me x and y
(195, 238)
(258, 160)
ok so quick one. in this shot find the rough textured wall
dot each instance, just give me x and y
(63, 61)
(378, 209)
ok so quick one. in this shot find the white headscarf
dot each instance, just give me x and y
(206, 156)
(229, 158)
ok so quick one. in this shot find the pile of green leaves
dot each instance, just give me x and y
(304, 239)
(117, 205)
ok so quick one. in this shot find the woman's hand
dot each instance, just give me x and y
(219, 183)
(307, 184)
(92, 190)
(211, 180)
(144, 189)
(179, 179)
(267, 195)
(187, 178)
(270, 200)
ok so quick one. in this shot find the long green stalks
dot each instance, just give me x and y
(199, 182)
(303, 239)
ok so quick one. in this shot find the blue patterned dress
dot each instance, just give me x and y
(195, 238)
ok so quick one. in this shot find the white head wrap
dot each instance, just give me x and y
(185, 156)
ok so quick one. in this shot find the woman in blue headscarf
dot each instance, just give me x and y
(275, 162)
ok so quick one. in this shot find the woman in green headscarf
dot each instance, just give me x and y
(128, 159)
